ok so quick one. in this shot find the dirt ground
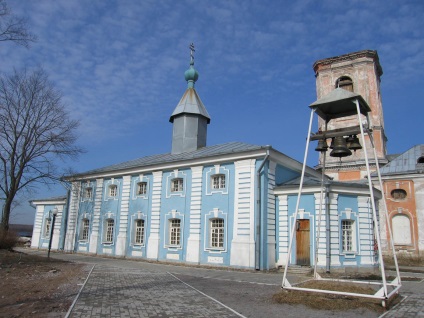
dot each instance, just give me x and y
(32, 286)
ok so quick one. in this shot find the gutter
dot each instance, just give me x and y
(259, 214)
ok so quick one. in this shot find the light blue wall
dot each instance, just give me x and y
(86, 209)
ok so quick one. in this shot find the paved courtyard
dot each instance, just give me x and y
(125, 288)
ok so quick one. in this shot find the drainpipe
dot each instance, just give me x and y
(327, 227)
(259, 214)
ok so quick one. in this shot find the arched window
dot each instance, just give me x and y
(401, 226)
(420, 160)
(345, 82)
(398, 194)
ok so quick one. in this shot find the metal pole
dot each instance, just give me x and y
(374, 210)
(285, 282)
(54, 212)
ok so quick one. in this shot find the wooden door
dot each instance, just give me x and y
(302, 243)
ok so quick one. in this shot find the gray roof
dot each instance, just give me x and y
(222, 149)
(311, 181)
(58, 198)
(190, 103)
(406, 163)
(339, 103)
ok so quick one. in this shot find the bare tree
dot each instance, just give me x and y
(13, 28)
(35, 130)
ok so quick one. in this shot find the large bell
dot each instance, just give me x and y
(322, 145)
(340, 148)
(353, 143)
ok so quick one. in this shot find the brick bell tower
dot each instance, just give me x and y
(358, 72)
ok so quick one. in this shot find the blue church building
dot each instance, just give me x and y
(228, 205)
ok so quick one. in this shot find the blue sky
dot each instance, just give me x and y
(120, 66)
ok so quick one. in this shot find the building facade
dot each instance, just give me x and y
(222, 205)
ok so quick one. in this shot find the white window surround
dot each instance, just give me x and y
(211, 231)
(171, 230)
(134, 218)
(348, 227)
(173, 176)
(217, 171)
(87, 191)
(108, 188)
(138, 183)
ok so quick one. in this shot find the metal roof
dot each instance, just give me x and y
(311, 181)
(406, 163)
(221, 149)
(190, 103)
(339, 103)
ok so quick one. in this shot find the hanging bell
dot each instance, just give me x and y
(340, 148)
(353, 142)
(322, 145)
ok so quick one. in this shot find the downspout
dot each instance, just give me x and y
(327, 227)
(259, 214)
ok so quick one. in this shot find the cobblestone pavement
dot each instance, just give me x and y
(141, 293)
(125, 288)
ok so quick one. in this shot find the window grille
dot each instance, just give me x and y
(110, 224)
(88, 193)
(139, 232)
(218, 181)
(141, 188)
(113, 190)
(217, 233)
(174, 231)
(177, 185)
(85, 229)
(47, 227)
(347, 235)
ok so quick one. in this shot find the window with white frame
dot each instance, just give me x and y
(218, 181)
(85, 229)
(177, 185)
(174, 232)
(110, 225)
(141, 188)
(348, 235)
(139, 232)
(113, 190)
(217, 233)
(47, 227)
(88, 193)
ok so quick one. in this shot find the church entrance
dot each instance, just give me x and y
(303, 243)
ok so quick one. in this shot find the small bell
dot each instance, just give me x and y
(340, 148)
(353, 142)
(322, 145)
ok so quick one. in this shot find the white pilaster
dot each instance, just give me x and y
(243, 243)
(121, 242)
(96, 217)
(153, 240)
(283, 230)
(72, 217)
(38, 222)
(193, 241)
